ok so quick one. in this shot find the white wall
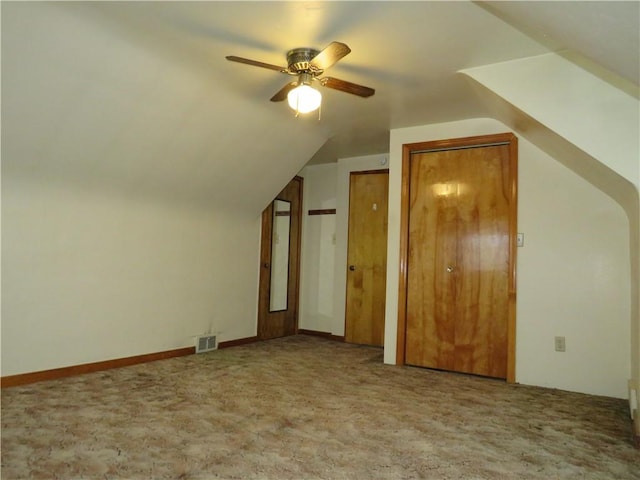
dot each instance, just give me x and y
(91, 275)
(318, 248)
(573, 281)
(573, 272)
(328, 185)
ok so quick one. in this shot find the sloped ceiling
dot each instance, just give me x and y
(138, 96)
(606, 33)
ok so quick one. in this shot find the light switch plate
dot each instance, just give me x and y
(520, 240)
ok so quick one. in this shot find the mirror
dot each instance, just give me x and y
(281, 226)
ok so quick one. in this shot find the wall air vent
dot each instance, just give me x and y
(206, 343)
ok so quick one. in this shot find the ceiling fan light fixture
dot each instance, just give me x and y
(304, 99)
(308, 64)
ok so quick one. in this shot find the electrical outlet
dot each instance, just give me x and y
(560, 344)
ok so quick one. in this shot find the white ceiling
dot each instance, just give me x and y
(138, 95)
(606, 33)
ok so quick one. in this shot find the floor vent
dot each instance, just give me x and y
(206, 343)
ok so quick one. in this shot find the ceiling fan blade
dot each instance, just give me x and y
(284, 91)
(255, 63)
(330, 55)
(347, 87)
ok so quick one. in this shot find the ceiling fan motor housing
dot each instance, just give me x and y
(298, 61)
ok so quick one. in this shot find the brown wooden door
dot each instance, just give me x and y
(280, 264)
(458, 263)
(367, 257)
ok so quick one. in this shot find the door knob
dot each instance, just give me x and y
(352, 267)
(450, 268)
(266, 265)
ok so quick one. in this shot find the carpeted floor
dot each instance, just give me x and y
(307, 408)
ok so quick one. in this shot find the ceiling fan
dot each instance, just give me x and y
(308, 64)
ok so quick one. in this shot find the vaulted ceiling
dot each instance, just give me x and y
(137, 97)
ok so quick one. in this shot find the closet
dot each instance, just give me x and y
(459, 228)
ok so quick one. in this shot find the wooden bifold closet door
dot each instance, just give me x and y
(459, 261)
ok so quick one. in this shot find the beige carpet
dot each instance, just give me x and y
(307, 408)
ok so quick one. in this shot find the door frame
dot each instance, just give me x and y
(452, 144)
(264, 289)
